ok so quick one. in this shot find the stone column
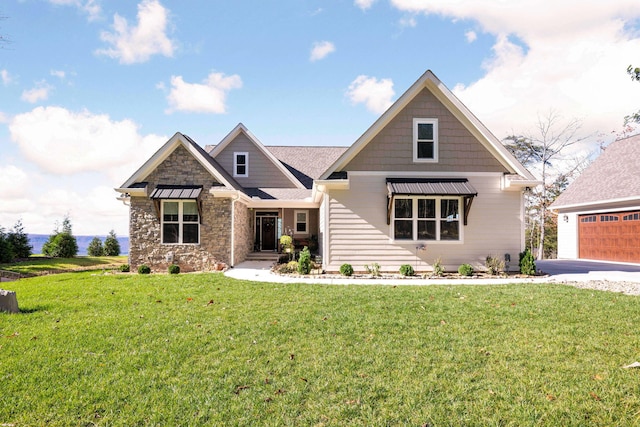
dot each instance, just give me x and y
(8, 301)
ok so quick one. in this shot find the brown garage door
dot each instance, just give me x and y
(610, 236)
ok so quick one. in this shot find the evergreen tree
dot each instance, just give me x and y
(6, 252)
(61, 244)
(111, 245)
(95, 247)
(19, 241)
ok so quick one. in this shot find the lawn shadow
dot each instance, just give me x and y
(33, 309)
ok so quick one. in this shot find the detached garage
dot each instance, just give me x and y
(599, 213)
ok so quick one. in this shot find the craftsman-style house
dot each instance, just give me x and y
(427, 180)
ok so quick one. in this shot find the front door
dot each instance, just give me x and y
(266, 231)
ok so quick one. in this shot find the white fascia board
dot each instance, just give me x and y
(597, 205)
(307, 203)
(138, 192)
(509, 184)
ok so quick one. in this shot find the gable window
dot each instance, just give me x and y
(180, 222)
(240, 164)
(426, 218)
(301, 222)
(425, 140)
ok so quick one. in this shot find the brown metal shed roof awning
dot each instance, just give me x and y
(176, 192)
(164, 192)
(430, 187)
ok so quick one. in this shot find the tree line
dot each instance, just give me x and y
(15, 245)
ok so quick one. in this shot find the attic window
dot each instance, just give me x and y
(241, 164)
(425, 140)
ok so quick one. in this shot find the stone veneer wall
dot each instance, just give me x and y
(180, 168)
(243, 241)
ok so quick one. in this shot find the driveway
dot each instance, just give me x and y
(565, 269)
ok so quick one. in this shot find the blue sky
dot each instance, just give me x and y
(89, 89)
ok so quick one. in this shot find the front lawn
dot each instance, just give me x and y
(37, 264)
(202, 349)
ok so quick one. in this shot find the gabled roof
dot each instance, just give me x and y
(613, 177)
(240, 128)
(458, 109)
(198, 153)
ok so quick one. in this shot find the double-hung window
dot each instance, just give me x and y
(425, 140)
(426, 218)
(180, 221)
(301, 221)
(240, 164)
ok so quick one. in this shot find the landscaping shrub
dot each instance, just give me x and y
(494, 265)
(438, 268)
(144, 269)
(465, 270)
(95, 247)
(304, 262)
(174, 269)
(527, 263)
(124, 268)
(346, 270)
(406, 270)
(373, 270)
(288, 268)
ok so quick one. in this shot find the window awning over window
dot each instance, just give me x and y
(176, 192)
(166, 192)
(458, 187)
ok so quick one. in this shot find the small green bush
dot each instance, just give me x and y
(304, 262)
(406, 270)
(494, 265)
(174, 269)
(527, 263)
(465, 270)
(346, 270)
(124, 268)
(144, 269)
(438, 268)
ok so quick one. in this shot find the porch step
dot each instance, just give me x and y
(263, 256)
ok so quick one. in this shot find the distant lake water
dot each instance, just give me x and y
(37, 240)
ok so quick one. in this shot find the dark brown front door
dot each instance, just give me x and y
(268, 234)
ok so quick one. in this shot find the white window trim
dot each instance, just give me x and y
(235, 164)
(180, 222)
(416, 122)
(414, 219)
(296, 222)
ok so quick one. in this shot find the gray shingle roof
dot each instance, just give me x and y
(307, 163)
(615, 174)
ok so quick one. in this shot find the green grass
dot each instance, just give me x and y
(36, 264)
(202, 349)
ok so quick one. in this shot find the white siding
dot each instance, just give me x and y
(359, 234)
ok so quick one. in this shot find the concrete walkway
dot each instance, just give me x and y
(558, 271)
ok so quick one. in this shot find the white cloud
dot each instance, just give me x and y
(207, 97)
(38, 93)
(58, 73)
(471, 36)
(90, 7)
(364, 4)
(542, 60)
(320, 50)
(14, 182)
(62, 142)
(377, 95)
(134, 44)
(408, 21)
(6, 78)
